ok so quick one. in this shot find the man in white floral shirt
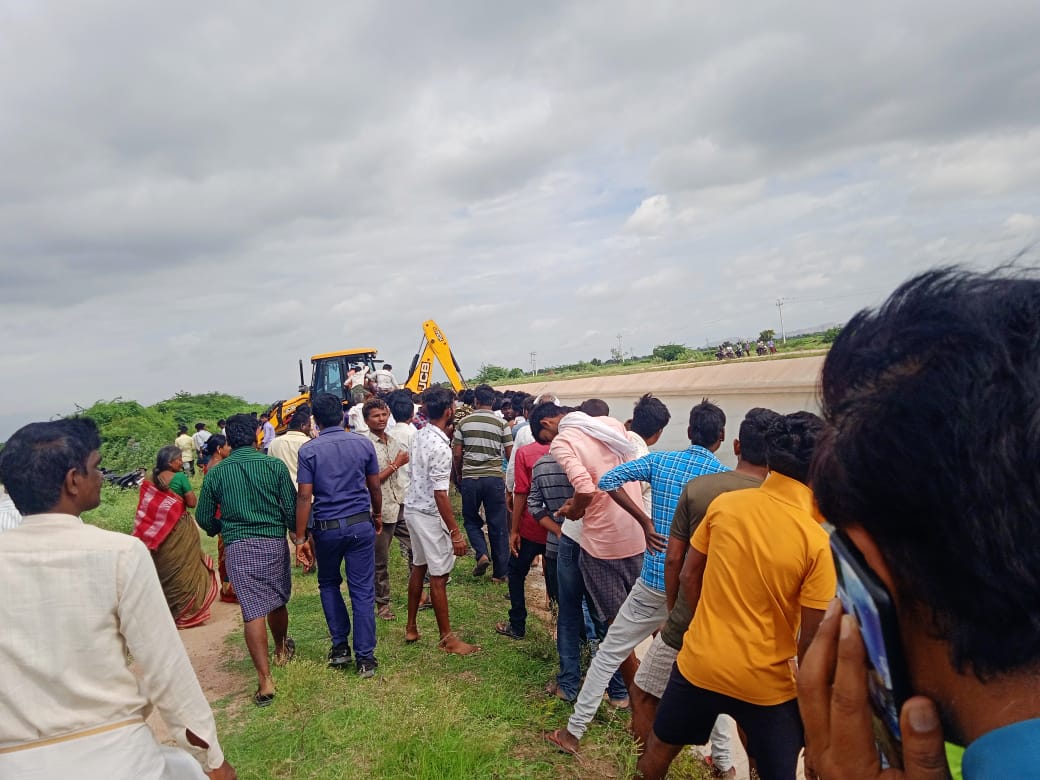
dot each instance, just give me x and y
(435, 534)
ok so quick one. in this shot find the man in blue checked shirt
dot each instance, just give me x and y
(645, 609)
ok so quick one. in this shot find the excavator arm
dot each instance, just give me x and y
(434, 346)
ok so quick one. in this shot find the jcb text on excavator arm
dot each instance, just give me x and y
(434, 346)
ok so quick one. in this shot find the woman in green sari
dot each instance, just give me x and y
(166, 526)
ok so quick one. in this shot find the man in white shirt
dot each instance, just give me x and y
(384, 379)
(287, 447)
(72, 706)
(402, 412)
(356, 417)
(435, 534)
(10, 517)
(198, 442)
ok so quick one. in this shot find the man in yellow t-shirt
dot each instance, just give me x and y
(759, 576)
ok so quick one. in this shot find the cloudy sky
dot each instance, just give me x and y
(195, 195)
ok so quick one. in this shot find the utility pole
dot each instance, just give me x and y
(620, 350)
(534, 363)
(780, 306)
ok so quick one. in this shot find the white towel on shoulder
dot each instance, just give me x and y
(616, 441)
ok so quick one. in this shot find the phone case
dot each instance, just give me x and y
(864, 596)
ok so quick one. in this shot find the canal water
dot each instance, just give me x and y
(784, 385)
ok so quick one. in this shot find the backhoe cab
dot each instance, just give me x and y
(330, 373)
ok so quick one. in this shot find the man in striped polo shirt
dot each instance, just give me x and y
(483, 442)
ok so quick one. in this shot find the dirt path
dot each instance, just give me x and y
(208, 650)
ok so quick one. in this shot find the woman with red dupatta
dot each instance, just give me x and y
(167, 528)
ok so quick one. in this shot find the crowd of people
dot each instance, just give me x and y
(741, 349)
(931, 417)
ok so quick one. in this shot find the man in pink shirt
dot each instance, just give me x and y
(612, 541)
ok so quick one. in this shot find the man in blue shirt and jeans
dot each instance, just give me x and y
(340, 471)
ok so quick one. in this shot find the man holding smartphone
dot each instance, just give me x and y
(929, 470)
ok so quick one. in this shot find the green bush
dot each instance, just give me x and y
(830, 334)
(671, 352)
(489, 374)
(132, 434)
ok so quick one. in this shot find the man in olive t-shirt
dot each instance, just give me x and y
(656, 665)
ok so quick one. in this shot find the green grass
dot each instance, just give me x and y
(117, 509)
(425, 714)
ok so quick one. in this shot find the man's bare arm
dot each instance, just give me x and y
(519, 505)
(692, 576)
(575, 506)
(811, 619)
(674, 556)
(304, 496)
(375, 493)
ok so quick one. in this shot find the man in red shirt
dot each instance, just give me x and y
(526, 540)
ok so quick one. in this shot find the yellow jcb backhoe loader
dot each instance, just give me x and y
(330, 373)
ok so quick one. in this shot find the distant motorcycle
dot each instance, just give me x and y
(131, 479)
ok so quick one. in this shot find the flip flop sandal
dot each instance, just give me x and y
(481, 567)
(507, 630)
(263, 699)
(554, 738)
(385, 613)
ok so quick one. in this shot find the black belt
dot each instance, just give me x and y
(343, 522)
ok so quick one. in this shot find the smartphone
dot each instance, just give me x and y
(865, 597)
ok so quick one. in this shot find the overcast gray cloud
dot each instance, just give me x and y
(196, 195)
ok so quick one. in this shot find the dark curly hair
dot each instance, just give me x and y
(790, 443)
(933, 402)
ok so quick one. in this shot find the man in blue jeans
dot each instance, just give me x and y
(340, 471)
(550, 489)
(482, 444)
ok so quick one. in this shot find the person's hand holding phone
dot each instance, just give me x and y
(834, 701)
